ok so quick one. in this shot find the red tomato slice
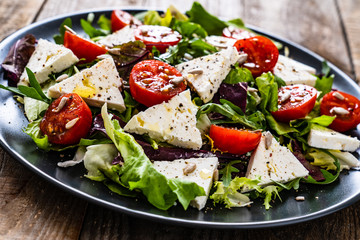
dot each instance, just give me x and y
(157, 36)
(294, 102)
(343, 121)
(120, 19)
(233, 140)
(151, 82)
(82, 47)
(67, 125)
(262, 54)
(237, 33)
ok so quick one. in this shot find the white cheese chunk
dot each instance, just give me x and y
(174, 169)
(275, 163)
(119, 37)
(96, 85)
(173, 122)
(293, 72)
(214, 68)
(330, 139)
(220, 42)
(48, 58)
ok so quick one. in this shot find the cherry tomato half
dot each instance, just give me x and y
(344, 120)
(82, 47)
(151, 82)
(157, 36)
(262, 54)
(66, 125)
(120, 19)
(294, 102)
(237, 33)
(233, 140)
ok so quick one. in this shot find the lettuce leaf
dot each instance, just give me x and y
(154, 18)
(212, 24)
(138, 172)
(18, 56)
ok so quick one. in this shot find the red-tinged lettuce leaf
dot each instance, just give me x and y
(127, 55)
(18, 56)
(314, 171)
(235, 93)
(163, 153)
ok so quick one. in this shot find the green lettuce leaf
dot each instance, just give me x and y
(33, 130)
(239, 74)
(270, 192)
(212, 24)
(59, 38)
(154, 18)
(229, 196)
(268, 89)
(139, 173)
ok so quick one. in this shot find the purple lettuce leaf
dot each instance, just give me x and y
(128, 55)
(314, 171)
(235, 93)
(18, 56)
(163, 153)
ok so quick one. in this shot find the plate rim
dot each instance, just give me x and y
(156, 217)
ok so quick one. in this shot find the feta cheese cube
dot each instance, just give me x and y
(48, 58)
(119, 37)
(212, 70)
(174, 169)
(173, 122)
(293, 72)
(96, 85)
(329, 139)
(273, 162)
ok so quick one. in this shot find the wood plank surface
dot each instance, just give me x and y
(34, 209)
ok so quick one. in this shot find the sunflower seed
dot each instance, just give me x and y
(177, 80)
(268, 139)
(300, 198)
(71, 123)
(216, 175)
(103, 56)
(114, 51)
(339, 111)
(62, 103)
(189, 168)
(188, 56)
(62, 77)
(69, 29)
(338, 96)
(196, 71)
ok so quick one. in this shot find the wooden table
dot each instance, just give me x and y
(34, 209)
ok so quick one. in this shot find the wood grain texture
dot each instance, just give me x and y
(350, 13)
(33, 208)
(17, 14)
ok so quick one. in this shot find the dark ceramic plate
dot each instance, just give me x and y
(320, 200)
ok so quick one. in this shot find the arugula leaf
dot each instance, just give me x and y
(34, 91)
(228, 112)
(35, 84)
(59, 38)
(91, 31)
